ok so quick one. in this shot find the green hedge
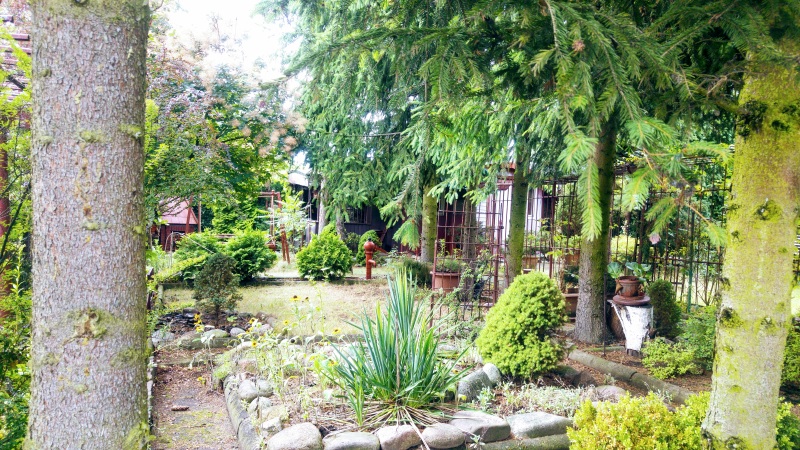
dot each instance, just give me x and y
(325, 258)
(249, 250)
(361, 258)
(516, 337)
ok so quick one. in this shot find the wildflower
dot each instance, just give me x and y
(306, 299)
(336, 331)
(295, 298)
(286, 322)
(254, 343)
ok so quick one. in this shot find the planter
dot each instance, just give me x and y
(573, 259)
(630, 286)
(445, 280)
(530, 262)
(571, 303)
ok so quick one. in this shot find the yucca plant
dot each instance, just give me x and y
(395, 375)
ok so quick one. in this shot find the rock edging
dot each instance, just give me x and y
(631, 376)
(246, 434)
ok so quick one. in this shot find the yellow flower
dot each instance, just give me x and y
(295, 298)
(336, 331)
(306, 299)
(286, 322)
(254, 343)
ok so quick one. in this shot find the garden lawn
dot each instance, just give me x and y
(284, 270)
(337, 303)
(796, 301)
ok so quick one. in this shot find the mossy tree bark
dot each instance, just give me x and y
(88, 355)
(755, 310)
(590, 322)
(430, 210)
(516, 225)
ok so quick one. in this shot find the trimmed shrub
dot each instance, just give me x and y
(193, 246)
(216, 286)
(699, 333)
(361, 258)
(637, 423)
(325, 258)
(351, 241)
(790, 375)
(418, 270)
(665, 360)
(249, 250)
(516, 337)
(645, 423)
(666, 312)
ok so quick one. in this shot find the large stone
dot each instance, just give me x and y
(303, 436)
(537, 424)
(271, 427)
(236, 331)
(443, 436)
(493, 373)
(352, 441)
(400, 437)
(471, 385)
(258, 405)
(608, 393)
(161, 337)
(584, 379)
(248, 390)
(487, 427)
(190, 341)
(274, 412)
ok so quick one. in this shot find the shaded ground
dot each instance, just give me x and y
(204, 425)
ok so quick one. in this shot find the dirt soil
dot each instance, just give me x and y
(204, 424)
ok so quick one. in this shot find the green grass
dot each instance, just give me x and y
(337, 303)
(796, 301)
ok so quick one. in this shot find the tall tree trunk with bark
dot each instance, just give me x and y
(88, 355)
(516, 226)
(590, 322)
(430, 211)
(755, 311)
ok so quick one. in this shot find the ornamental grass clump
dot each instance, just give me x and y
(395, 375)
(517, 335)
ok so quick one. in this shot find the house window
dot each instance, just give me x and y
(360, 216)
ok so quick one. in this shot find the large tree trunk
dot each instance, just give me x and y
(590, 321)
(753, 320)
(88, 355)
(430, 210)
(516, 226)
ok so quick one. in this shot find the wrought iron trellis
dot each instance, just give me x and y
(682, 254)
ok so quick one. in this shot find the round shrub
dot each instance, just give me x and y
(351, 241)
(790, 375)
(326, 257)
(216, 286)
(249, 250)
(361, 258)
(516, 337)
(193, 246)
(666, 312)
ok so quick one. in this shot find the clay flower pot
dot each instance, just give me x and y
(630, 286)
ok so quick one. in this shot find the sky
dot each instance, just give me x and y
(252, 44)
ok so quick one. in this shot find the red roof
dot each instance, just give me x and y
(174, 212)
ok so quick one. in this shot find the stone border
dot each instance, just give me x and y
(631, 376)
(151, 379)
(246, 434)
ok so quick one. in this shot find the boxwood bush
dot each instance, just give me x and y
(666, 312)
(516, 337)
(325, 258)
(249, 250)
(645, 423)
(361, 258)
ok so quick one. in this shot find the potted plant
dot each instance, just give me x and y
(446, 272)
(569, 284)
(629, 286)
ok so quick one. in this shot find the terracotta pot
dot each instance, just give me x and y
(630, 286)
(445, 280)
(571, 302)
(573, 259)
(272, 246)
(530, 262)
